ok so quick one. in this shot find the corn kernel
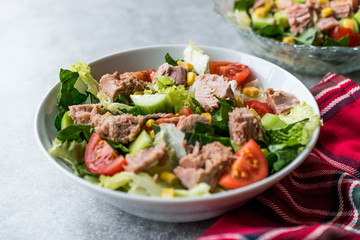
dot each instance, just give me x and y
(251, 91)
(324, 2)
(190, 78)
(138, 93)
(288, 40)
(167, 193)
(188, 66)
(208, 115)
(326, 12)
(254, 112)
(152, 133)
(349, 23)
(261, 11)
(149, 123)
(168, 177)
(108, 114)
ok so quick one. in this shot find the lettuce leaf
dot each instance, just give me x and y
(71, 151)
(144, 184)
(220, 117)
(196, 56)
(75, 132)
(86, 78)
(110, 105)
(179, 97)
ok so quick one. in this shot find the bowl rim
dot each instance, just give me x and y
(250, 32)
(272, 179)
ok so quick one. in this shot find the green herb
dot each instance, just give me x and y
(220, 117)
(342, 42)
(243, 5)
(271, 30)
(170, 60)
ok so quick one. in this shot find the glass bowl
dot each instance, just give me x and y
(293, 57)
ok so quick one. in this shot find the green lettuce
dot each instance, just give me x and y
(71, 151)
(220, 117)
(196, 56)
(144, 184)
(87, 80)
(75, 132)
(110, 105)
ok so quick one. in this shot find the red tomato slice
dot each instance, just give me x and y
(231, 70)
(250, 166)
(260, 107)
(144, 75)
(185, 111)
(101, 158)
(340, 32)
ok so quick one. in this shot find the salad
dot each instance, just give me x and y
(304, 22)
(192, 127)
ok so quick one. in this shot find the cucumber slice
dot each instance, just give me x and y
(66, 120)
(259, 22)
(153, 103)
(144, 140)
(271, 121)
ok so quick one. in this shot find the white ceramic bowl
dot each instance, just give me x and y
(178, 209)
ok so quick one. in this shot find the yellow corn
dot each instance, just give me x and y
(326, 12)
(254, 112)
(168, 177)
(251, 91)
(208, 115)
(152, 133)
(108, 114)
(167, 193)
(323, 2)
(261, 11)
(187, 66)
(190, 78)
(149, 123)
(288, 40)
(349, 23)
(138, 93)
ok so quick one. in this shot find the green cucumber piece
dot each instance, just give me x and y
(260, 22)
(153, 103)
(281, 19)
(357, 17)
(66, 120)
(144, 140)
(272, 121)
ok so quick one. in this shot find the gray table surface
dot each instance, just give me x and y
(37, 38)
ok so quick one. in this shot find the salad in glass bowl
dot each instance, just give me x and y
(189, 127)
(312, 36)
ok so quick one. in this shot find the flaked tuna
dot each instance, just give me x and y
(280, 102)
(207, 86)
(86, 113)
(121, 84)
(176, 73)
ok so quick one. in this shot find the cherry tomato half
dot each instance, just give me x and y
(250, 166)
(144, 75)
(231, 70)
(185, 111)
(340, 32)
(101, 158)
(260, 107)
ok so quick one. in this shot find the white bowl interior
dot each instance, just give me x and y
(180, 209)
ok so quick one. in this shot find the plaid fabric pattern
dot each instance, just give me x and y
(321, 198)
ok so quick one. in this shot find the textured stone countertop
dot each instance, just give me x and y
(37, 39)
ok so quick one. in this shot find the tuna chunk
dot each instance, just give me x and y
(177, 73)
(121, 84)
(341, 9)
(284, 4)
(244, 125)
(207, 86)
(279, 101)
(86, 113)
(299, 17)
(187, 124)
(326, 23)
(205, 165)
(147, 157)
(120, 128)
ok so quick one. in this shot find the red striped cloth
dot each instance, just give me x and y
(321, 198)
